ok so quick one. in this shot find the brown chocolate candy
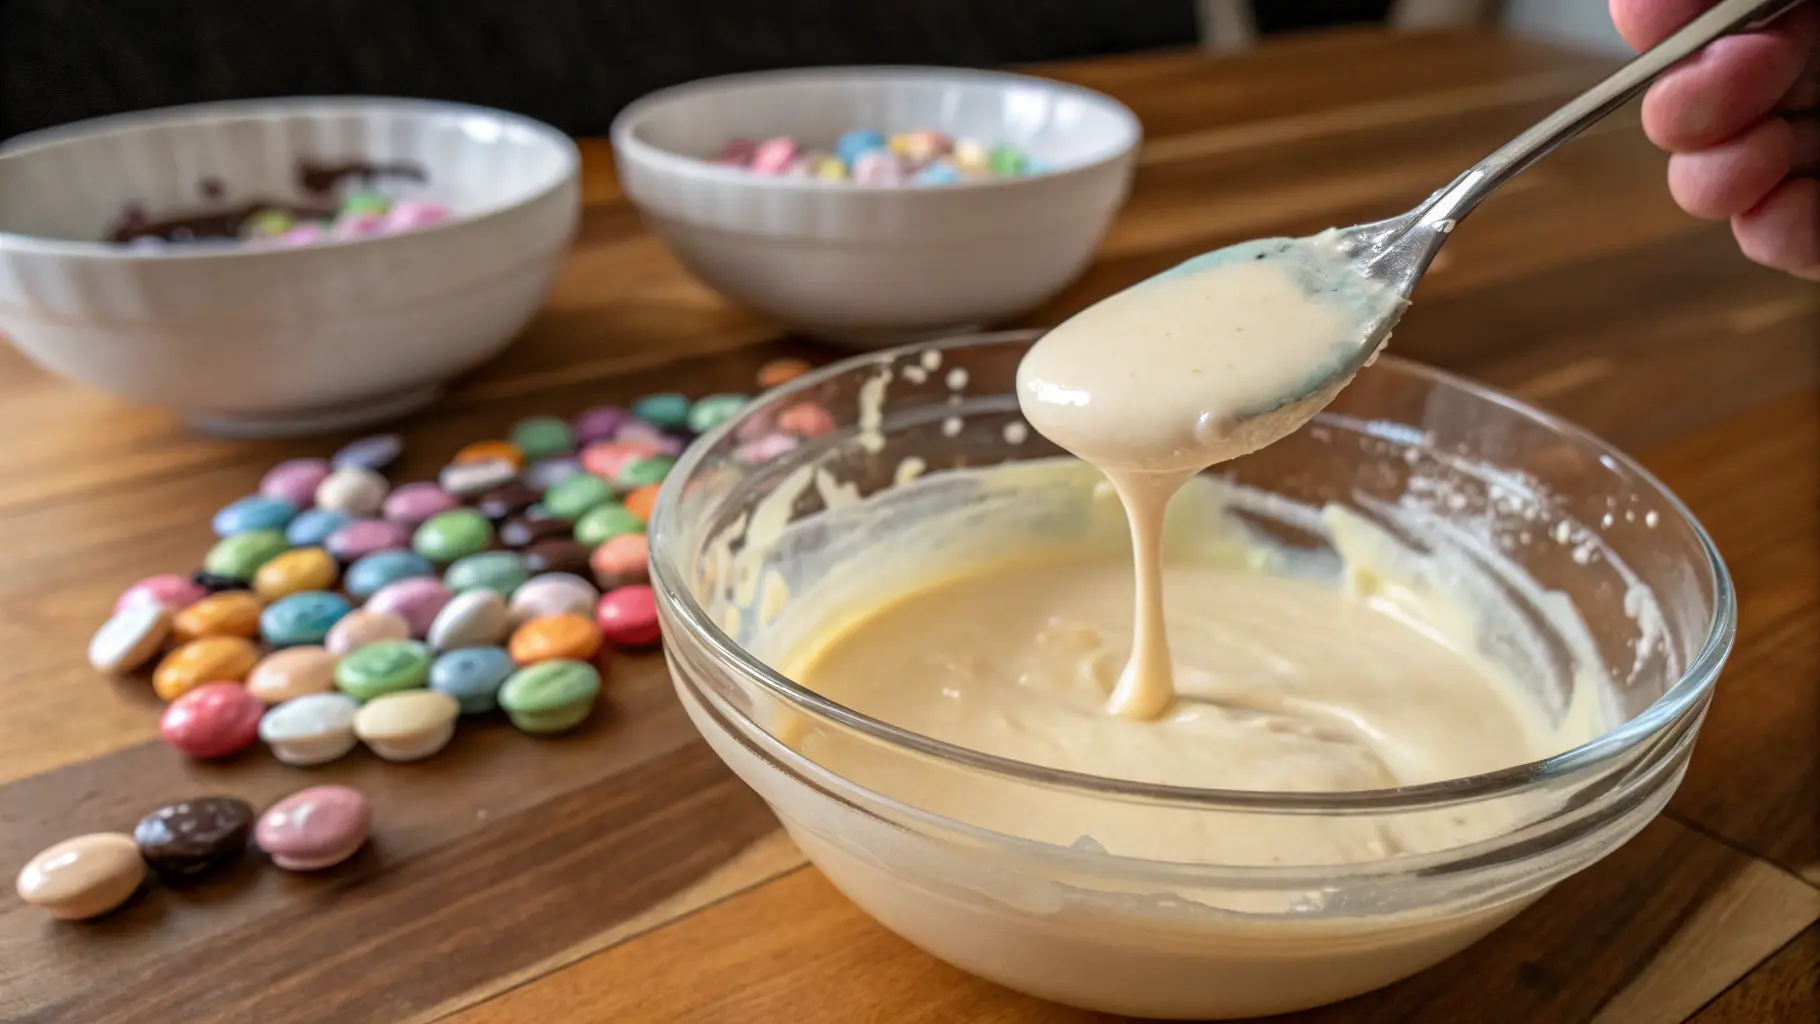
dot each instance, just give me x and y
(506, 501)
(194, 836)
(557, 555)
(519, 532)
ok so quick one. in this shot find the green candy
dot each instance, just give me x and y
(666, 410)
(366, 202)
(499, 571)
(712, 411)
(645, 471)
(550, 696)
(572, 498)
(604, 522)
(238, 557)
(543, 436)
(384, 667)
(267, 224)
(454, 534)
(1005, 162)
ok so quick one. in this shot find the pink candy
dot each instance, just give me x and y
(413, 214)
(175, 592)
(295, 481)
(764, 448)
(314, 828)
(878, 167)
(365, 536)
(416, 600)
(627, 616)
(213, 720)
(599, 423)
(411, 504)
(774, 156)
(639, 432)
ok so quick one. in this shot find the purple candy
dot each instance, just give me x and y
(365, 536)
(411, 504)
(416, 600)
(547, 473)
(413, 214)
(374, 453)
(599, 424)
(295, 481)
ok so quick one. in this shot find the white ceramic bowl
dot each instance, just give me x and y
(266, 341)
(873, 264)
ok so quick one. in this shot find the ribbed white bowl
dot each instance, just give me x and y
(869, 264)
(263, 341)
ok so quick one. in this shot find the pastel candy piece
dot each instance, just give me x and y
(773, 156)
(561, 556)
(599, 423)
(713, 410)
(447, 536)
(665, 410)
(627, 616)
(467, 480)
(381, 569)
(291, 673)
(314, 728)
(605, 459)
(1005, 161)
(649, 470)
(357, 225)
(239, 556)
(364, 626)
(506, 500)
(365, 202)
(133, 636)
(544, 474)
(649, 439)
(356, 490)
(606, 521)
(365, 536)
(855, 144)
(229, 613)
(302, 234)
(83, 877)
(192, 837)
(971, 157)
(780, 371)
(878, 168)
(212, 720)
(415, 215)
(170, 590)
(490, 451)
(384, 667)
(522, 531)
(764, 448)
(295, 481)
(210, 659)
(473, 618)
(411, 504)
(572, 498)
(542, 436)
(313, 829)
(621, 561)
(407, 726)
(313, 526)
(498, 571)
(571, 636)
(416, 600)
(256, 512)
(938, 174)
(304, 618)
(828, 168)
(554, 593)
(805, 419)
(296, 570)
(642, 501)
(473, 676)
(551, 696)
(267, 224)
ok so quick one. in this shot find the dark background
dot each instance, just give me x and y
(572, 63)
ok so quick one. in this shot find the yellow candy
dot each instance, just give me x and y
(970, 157)
(830, 169)
(229, 613)
(295, 571)
(212, 659)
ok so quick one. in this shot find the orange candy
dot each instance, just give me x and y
(640, 502)
(621, 560)
(555, 636)
(605, 459)
(212, 659)
(781, 371)
(805, 419)
(486, 451)
(229, 613)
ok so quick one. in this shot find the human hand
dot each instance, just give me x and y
(1742, 122)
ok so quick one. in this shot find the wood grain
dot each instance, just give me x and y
(622, 873)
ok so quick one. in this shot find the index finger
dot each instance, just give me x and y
(1644, 23)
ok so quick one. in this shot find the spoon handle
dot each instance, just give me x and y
(1515, 156)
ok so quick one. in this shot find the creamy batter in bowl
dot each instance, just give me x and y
(1118, 889)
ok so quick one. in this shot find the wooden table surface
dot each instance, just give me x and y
(622, 874)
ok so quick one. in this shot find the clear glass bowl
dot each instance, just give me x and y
(1402, 445)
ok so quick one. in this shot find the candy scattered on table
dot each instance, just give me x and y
(209, 659)
(291, 673)
(131, 638)
(550, 696)
(868, 157)
(83, 877)
(408, 725)
(473, 676)
(315, 828)
(195, 836)
(472, 618)
(627, 616)
(212, 720)
(228, 613)
(311, 729)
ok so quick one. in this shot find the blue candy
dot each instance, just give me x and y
(313, 526)
(302, 618)
(374, 453)
(254, 513)
(666, 410)
(376, 570)
(938, 174)
(851, 146)
(473, 676)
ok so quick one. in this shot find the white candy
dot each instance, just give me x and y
(312, 729)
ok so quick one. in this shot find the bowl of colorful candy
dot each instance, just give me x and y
(876, 204)
(281, 266)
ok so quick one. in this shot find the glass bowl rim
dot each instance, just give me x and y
(1683, 697)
